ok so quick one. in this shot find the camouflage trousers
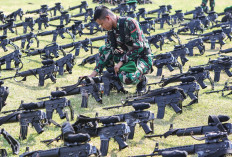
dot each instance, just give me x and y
(142, 67)
(135, 77)
(204, 4)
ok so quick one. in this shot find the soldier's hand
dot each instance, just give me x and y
(117, 67)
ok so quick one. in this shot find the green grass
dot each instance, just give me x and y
(28, 91)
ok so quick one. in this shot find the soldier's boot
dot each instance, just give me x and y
(142, 85)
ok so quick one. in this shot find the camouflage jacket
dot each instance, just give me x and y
(135, 45)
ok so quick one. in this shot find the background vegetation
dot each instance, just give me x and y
(28, 91)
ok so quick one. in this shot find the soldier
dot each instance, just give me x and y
(126, 49)
(204, 5)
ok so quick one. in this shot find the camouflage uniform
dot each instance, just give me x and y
(134, 52)
(204, 4)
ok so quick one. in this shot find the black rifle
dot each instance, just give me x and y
(195, 43)
(163, 9)
(43, 10)
(200, 73)
(27, 37)
(48, 70)
(83, 5)
(8, 25)
(91, 59)
(55, 103)
(229, 50)
(212, 16)
(142, 12)
(227, 30)
(16, 13)
(219, 64)
(178, 17)
(75, 144)
(121, 9)
(145, 25)
(198, 11)
(225, 88)
(222, 24)
(43, 19)
(131, 14)
(4, 92)
(180, 51)
(89, 13)
(217, 35)
(194, 26)
(2, 17)
(215, 124)
(13, 56)
(139, 116)
(64, 16)
(36, 118)
(165, 18)
(109, 130)
(76, 28)
(154, 39)
(48, 52)
(92, 26)
(29, 22)
(89, 85)
(11, 141)
(204, 20)
(67, 60)
(166, 59)
(60, 30)
(57, 7)
(164, 96)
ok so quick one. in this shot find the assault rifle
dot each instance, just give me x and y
(180, 51)
(67, 60)
(89, 85)
(216, 144)
(164, 96)
(222, 24)
(139, 116)
(163, 9)
(48, 70)
(11, 141)
(83, 5)
(198, 11)
(57, 7)
(219, 64)
(91, 59)
(200, 73)
(16, 13)
(89, 13)
(178, 17)
(75, 144)
(131, 14)
(43, 19)
(4, 92)
(204, 20)
(145, 25)
(43, 10)
(212, 16)
(36, 118)
(29, 22)
(226, 88)
(13, 56)
(142, 12)
(166, 59)
(194, 26)
(227, 30)
(121, 9)
(195, 43)
(229, 50)
(165, 18)
(92, 25)
(215, 124)
(27, 37)
(64, 16)
(76, 28)
(60, 30)
(213, 37)
(55, 103)
(8, 25)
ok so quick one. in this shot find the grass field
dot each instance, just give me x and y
(28, 91)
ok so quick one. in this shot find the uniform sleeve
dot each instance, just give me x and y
(134, 37)
(106, 55)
